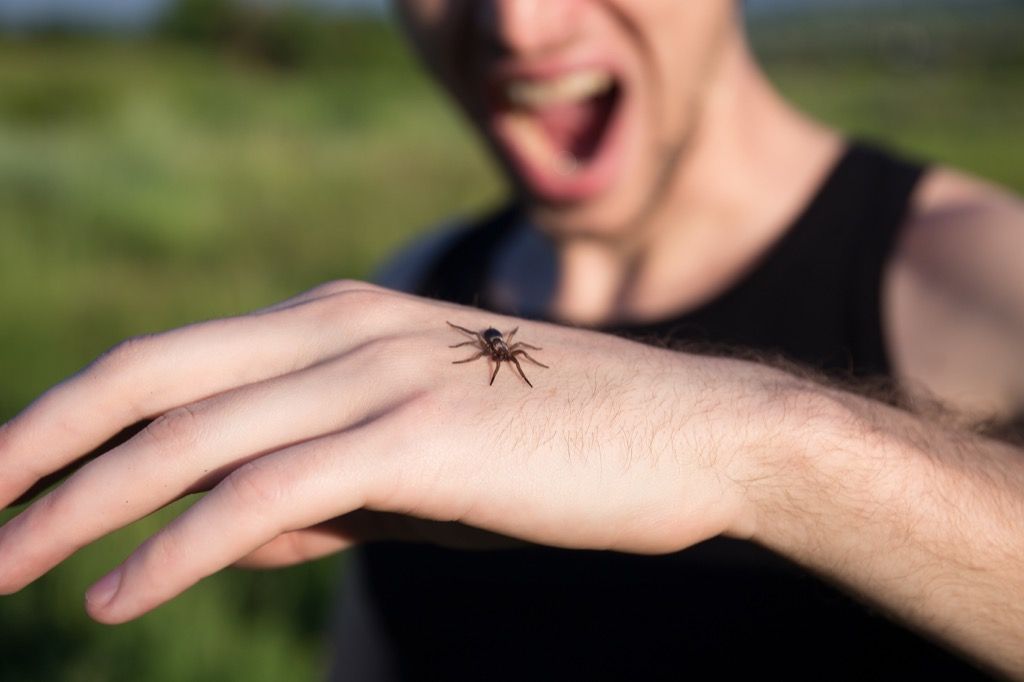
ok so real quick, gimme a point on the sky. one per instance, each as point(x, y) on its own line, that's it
point(28, 13)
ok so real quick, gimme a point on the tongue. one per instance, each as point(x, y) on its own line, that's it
point(575, 129)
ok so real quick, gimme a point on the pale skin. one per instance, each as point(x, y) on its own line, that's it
point(337, 416)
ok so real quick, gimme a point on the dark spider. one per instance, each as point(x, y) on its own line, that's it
point(495, 346)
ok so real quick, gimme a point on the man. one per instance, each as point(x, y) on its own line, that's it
point(665, 189)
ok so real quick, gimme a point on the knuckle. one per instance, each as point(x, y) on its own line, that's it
point(59, 503)
point(312, 299)
point(161, 555)
point(354, 304)
point(364, 299)
point(338, 286)
point(126, 354)
point(255, 486)
point(179, 428)
point(311, 296)
point(51, 506)
point(359, 315)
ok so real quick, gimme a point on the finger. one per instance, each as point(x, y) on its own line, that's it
point(330, 537)
point(148, 376)
point(296, 547)
point(292, 489)
point(183, 451)
point(121, 387)
point(45, 482)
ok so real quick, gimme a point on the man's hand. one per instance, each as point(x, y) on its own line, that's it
point(337, 414)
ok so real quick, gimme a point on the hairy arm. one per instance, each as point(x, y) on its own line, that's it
point(303, 419)
point(921, 519)
point(916, 513)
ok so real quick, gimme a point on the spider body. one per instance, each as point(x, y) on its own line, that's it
point(495, 341)
point(498, 347)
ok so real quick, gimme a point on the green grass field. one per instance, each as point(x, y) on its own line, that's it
point(146, 185)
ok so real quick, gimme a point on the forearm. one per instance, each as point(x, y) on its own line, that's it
point(925, 521)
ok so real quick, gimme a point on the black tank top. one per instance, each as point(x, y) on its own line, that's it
point(724, 607)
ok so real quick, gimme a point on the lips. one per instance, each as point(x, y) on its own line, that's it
point(560, 129)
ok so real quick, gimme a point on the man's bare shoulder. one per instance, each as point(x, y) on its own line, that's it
point(955, 293)
point(405, 269)
point(966, 234)
point(948, 193)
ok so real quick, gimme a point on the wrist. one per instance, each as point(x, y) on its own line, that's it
point(764, 430)
point(831, 464)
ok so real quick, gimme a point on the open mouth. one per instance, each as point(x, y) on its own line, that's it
point(560, 132)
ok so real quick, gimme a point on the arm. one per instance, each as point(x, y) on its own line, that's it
point(954, 297)
point(917, 517)
point(913, 513)
point(302, 419)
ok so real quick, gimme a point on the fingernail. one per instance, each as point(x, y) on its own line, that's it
point(103, 591)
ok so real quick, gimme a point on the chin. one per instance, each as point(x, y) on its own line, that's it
point(591, 221)
point(619, 212)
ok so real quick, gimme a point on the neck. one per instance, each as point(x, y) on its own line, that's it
point(751, 164)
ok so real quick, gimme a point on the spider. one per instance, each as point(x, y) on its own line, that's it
point(496, 346)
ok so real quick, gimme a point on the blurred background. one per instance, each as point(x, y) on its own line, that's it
point(163, 162)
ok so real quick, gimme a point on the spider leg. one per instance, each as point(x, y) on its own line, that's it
point(521, 373)
point(520, 344)
point(527, 356)
point(497, 366)
point(467, 331)
point(478, 355)
point(461, 329)
point(508, 337)
point(460, 345)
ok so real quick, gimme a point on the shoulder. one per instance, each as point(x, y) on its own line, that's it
point(966, 236)
point(406, 269)
point(955, 293)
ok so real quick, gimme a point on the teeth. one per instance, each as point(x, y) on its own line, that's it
point(572, 87)
point(537, 146)
point(567, 165)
